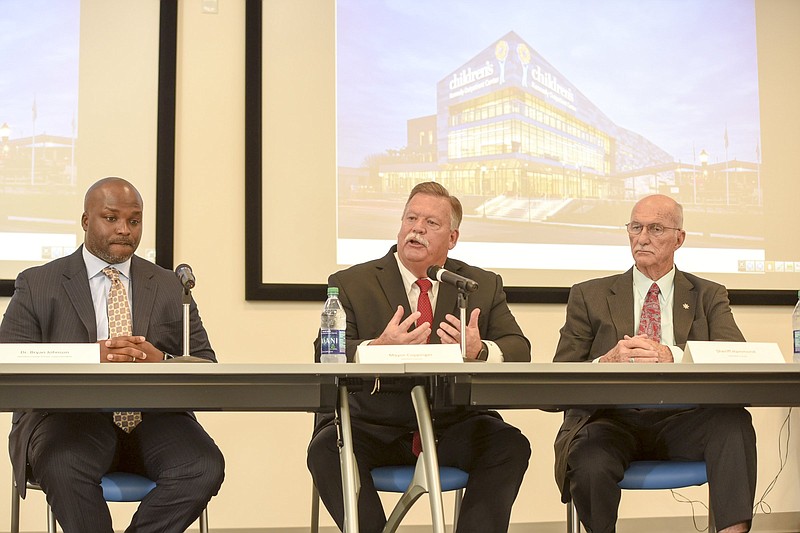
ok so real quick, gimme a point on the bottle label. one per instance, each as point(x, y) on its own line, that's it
point(332, 341)
point(797, 341)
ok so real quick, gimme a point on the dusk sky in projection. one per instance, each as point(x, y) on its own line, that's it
point(39, 40)
point(676, 72)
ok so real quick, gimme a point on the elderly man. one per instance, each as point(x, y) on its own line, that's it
point(386, 301)
point(646, 315)
point(132, 308)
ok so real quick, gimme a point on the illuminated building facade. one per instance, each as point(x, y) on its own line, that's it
point(511, 131)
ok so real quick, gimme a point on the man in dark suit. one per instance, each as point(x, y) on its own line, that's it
point(65, 301)
point(381, 300)
point(616, 320)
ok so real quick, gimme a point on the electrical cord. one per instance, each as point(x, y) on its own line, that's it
point(761, 505)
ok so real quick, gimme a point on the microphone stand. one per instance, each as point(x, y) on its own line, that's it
point(462, 309)
point(187, 298)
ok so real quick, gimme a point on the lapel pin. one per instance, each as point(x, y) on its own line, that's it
point(686, 306)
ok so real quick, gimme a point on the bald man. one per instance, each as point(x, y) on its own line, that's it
point(66, 301)
point(645, 316)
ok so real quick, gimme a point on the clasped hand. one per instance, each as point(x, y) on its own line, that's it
point(638, 349)
point(398, 331)
point(129, 349)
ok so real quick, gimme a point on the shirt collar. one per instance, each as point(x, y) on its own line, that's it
point(409, 279)
point(95, 265)
point(641, 283)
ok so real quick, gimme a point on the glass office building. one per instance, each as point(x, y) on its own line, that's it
point(515, 139)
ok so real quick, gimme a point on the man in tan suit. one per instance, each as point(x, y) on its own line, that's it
point(646, 315)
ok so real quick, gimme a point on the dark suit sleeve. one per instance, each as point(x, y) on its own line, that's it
point(165, 328)
point(576, 335)
point(20, 324)
point(501, 327)
point(714, 320)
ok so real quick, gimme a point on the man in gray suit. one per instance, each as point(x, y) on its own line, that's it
point(381, 299)
point(65, 301)
point(616, 320)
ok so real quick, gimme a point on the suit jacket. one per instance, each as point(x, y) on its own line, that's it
point(370, 293)
point(53, 303)
point(600, 313)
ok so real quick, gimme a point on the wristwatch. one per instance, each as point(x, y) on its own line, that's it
point(484, 353)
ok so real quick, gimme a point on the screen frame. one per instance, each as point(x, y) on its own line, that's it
point(165, 140)
point(255, 182)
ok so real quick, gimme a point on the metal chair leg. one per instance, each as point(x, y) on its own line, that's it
point(314, 509)
point(14, 506)
point(51, 520)
point(573, 522)
point(204, 521)
point(459, 497)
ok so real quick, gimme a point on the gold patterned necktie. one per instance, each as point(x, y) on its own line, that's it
point(119, 325)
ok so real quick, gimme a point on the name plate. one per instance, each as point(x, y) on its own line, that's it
point(409, 353)
point(732, 352)
point(50, 353)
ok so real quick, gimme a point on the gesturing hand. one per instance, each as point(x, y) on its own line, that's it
point(450, 332)
point(397, 331)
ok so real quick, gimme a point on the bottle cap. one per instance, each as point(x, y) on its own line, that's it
point(334, 291)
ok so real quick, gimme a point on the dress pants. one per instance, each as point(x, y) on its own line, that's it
point(602, 450)
point(494, 453)
point(68, 453)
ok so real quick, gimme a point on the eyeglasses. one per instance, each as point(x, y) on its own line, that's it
point(654, 230)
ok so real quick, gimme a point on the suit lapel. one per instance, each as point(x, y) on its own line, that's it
point(620, 304)
point(144, 294)
point(76, 285)
point(391, 282)
point(683, 307)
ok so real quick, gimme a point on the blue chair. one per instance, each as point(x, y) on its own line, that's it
point(117, 487)
point(402, 479)
point(655, 475)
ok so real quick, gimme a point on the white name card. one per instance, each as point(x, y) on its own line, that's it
point(50, 353)
point(409, 353)
point(732, 352)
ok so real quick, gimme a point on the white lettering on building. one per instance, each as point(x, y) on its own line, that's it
point(551, 82)
point(467, 75)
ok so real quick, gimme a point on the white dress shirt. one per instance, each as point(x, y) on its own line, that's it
point(100, 284)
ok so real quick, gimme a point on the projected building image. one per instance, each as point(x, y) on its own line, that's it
point(521, 145)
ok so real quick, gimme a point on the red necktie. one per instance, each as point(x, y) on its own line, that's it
point(426, 315)
point(650, 322)
point(424, 303)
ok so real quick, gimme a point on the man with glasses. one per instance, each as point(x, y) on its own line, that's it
point(646, 315)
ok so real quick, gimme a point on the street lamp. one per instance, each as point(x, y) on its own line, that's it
point(5, 132)
point(704, 165)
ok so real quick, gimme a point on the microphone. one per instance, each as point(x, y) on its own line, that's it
point(445, 276)
point(184, 273)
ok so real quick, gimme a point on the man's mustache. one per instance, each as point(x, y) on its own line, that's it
point(413, 236)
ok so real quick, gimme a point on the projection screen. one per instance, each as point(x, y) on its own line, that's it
point(79, 101)
point(548, 119)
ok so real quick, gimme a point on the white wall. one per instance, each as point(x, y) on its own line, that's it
point(267, 484)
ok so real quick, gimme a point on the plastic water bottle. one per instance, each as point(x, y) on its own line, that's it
point(332, 329)
point(796, 330)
